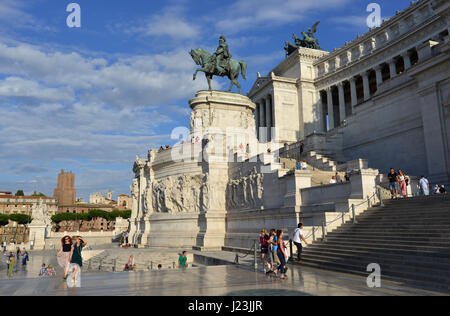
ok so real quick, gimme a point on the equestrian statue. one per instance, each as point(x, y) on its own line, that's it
point(219, 64)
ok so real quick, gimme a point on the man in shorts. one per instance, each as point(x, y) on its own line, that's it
point(393, 183)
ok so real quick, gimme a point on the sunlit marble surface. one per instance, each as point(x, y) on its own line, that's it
point(205, 281)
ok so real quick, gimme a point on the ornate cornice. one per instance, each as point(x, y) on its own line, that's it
point(373, 33)
point(383, 54)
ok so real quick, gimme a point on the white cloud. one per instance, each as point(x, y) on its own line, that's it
point(352, 21)
point(85, 113)
point(19, 87)
point(251, 14)
point(129, 81)
point(170, 22)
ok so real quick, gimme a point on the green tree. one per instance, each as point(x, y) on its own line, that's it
point(20, 193)
point(20, 219)
point(38, 194)
point(4, 220)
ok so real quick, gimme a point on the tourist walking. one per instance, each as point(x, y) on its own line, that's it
point(437, 189)
point(393, 183)
point(126, 238)
point(182, 260)
point(63, 256)
point(130, 266)
point(304, 165)
point(402, 183)
point(297, 239)
point(273, 250)
point(19, 253)
point(76, 262)
point(442, 190)
point(281, 253)
point(4, 246)
point(424, 186)
point(11, 262)
point(264, 242)
point(25, 258)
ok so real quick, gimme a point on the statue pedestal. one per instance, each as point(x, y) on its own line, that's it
point(224, 119)
point(38, 232)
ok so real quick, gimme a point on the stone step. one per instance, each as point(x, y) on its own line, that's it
point(422, 258)
point(439, 219)
point(413, 237)
point(406, 211)
point(412, 280)
point(410, 272)
point(396, 225)
point(425, 251)
point(364, 260)
point(410, 210)
point(382, 240)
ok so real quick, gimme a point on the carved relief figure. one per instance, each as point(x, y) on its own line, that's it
point(246, 192)
point(182, 194)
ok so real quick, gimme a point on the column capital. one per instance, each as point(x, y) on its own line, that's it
point(379, 67)
point(365, 74)
point(352, 80)
point(340, 84)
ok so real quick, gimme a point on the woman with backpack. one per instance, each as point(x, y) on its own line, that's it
point(281, 253)
point(264, 242)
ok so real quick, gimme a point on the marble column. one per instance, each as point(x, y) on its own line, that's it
point(269, 117)
point(257, 119)
point(378, 71)
point(262, 121)
point(353, 91)
point(392, 68)
point(322, 124)
point(330, 109)
point(407, 60)
point(365, 77)
point(342, 115)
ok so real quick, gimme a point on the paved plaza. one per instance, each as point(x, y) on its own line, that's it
point(226, 280)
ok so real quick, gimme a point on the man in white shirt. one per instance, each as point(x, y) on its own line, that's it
point(424, 186)
point(333, 180)
point(297, 239)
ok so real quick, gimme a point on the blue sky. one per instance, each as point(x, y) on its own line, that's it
point(90, 99)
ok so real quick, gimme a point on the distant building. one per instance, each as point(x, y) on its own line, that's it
point(85, 208)
point(98, 198)
point(10, 204)
point(65, 192)
point(124, 201)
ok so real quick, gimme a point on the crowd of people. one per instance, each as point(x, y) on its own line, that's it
point(274, 250)
point(439, 189)
point(399, 182)
point(166, 148)
point(182, 263)
point(12, 261)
